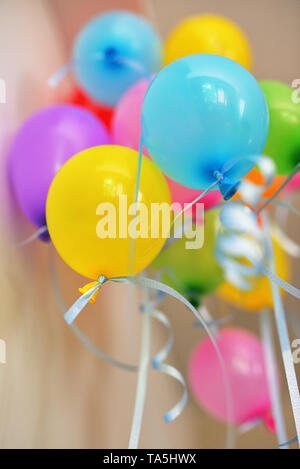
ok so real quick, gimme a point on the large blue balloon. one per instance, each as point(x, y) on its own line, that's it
point(112, 52)
point(204, 114)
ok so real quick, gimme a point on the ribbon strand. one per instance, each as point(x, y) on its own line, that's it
point(269, 354)
point(284, 337)
point(79, 334)
point(157, 364)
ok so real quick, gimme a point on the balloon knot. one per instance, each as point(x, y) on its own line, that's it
point(219, 176)
point(100, 281)
point(227, 186)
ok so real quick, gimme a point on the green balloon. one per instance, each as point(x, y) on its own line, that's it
point(283, 143)
point(192, 272)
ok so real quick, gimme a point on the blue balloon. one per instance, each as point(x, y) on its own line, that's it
point(112, 52)
point(205, 116)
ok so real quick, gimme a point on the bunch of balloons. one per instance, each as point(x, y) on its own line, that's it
point(193, 129)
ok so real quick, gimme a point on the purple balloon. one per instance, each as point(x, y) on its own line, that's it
point(43, 144)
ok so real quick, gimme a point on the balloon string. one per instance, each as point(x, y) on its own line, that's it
point(79, 334)
point(156, 360)
point(280, 203)
point(295, 171)
point(272, 376)
point(283, 336)
point(234, 270)
point(157, 364)
point(142, 376)
point(152, 284)
point(215, 323)
point(279, 282)
point(32, 237)
point(252, 192)
point(159, 286)
point(178, 216)
point(290, 442)
point(249, 425)
point(146, 325)
point(136, 195)
point(199, 197)
point(286, 243)
point(56, 78)
point(209, 320)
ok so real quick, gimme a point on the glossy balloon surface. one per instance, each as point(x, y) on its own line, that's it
point(260, 295)
point(283, 144)
point(126, 130)
point(113, 51)
point(200, 114)
point(85, 193)
point(193, 272)
point(208, 34)
point(243, 357)
point(43, 144)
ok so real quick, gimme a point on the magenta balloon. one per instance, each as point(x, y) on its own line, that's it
point(126, 122)
point(126, 131)
point(294, 184)
point(185, 195)
point(43, 144)
point(243, 356)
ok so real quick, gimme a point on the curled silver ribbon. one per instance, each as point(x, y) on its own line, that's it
point(159, 365)
point(155, 285)
point(79, 334)
point(239, 221)
point(156, 361)
point(244, 238)
point(55, 79)
point(42, 230)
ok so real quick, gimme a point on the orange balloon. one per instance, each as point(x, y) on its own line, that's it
point(256, 177)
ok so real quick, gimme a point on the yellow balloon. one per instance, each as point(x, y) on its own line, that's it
point(208, 34)
point(88, 235)
point(261, 295)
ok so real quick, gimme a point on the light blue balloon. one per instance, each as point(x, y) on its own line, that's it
point(204, 114)
point(112, 52)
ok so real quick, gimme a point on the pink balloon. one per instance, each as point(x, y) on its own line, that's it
point(243, 356)
point(126, 124)
point(294, 184)
point(126, 131)
point(185, 195)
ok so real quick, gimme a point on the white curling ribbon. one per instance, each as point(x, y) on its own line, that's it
point(43, 229)
point(79, 334)
point(57, 76)
point(240, 218)
point(236, 246)
point(230, 250)
point(284, 336)
point(157, 364)
point(272, 375)
point(229, 218)
point(268, 168)
point(252, 192)
point(234, 273)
